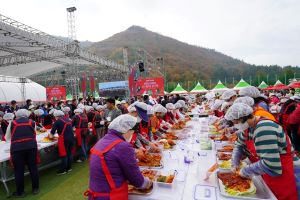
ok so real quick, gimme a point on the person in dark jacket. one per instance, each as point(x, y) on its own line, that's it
point(23, 149)
point(66, 140)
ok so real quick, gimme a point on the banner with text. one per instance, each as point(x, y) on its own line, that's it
point(55, 93)
point(150, 86)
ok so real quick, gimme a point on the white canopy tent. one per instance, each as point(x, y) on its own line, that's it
point(10, 89)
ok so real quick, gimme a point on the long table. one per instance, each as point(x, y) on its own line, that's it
point(189, 175)
point(48, 154)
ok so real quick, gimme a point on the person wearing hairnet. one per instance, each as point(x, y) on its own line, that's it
point(156, 121)
point(178, 114)
point(260, 102)
point(276, 160)
point(229, 96)
point(100, 127)
point(80, 123)
point(113, 163)
point(66, 140)
point(23, 150)
point(5, 120)
point(169, 117)
point(39, 118)
point(66, 110)
point(216, 107)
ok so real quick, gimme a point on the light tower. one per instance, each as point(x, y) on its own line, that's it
point(73, 48)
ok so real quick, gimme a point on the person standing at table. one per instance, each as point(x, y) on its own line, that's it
point(113, 163)
point(23, 149)
point(66, 140)
point(80, 123)
point(276, 160)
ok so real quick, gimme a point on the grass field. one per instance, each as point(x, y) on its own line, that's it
point(66, 187)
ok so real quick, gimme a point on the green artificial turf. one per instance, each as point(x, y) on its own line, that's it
point(70, 186)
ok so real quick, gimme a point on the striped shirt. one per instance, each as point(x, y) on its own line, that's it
point(270, 141)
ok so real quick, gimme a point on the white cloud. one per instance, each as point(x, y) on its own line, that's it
point(258, 32)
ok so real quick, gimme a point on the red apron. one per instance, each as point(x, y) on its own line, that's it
point(61, 142)
point(219, 113)
point(144, 132)
point(133, 139)
point(78, 132)
point(93, 124)
point(120, 193)
point(287, 178)
point(253, 157)
point(38, 159)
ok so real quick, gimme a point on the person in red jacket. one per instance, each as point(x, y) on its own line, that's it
point(294, 122)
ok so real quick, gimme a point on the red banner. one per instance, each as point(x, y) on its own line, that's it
point(150, 86)
point(92, 84)
point(56, 93)
point(83, 85)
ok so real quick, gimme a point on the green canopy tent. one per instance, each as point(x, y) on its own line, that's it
point(219, 87)
point(69, 97)
point(198, 89)
point(263, 85)
point(241, 84)
point(96, 95)
point(179, 90)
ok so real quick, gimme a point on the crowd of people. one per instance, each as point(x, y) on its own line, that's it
point(115, 133)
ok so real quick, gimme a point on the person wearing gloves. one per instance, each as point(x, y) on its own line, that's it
point(216, 107)
point(259, 100)
point(23, 150)
point(229, 96)
point(39, 118)
point(100, 129)
point(49, 119)
point(66, 140)
point(178, 115)
point(156, 121)
point(66, 110)
point(276, 160)
point(113, 163)
point(80, 123)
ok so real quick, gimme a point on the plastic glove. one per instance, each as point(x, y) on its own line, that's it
point(102, 123)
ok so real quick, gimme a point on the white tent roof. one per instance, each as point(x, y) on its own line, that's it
point(10, 89)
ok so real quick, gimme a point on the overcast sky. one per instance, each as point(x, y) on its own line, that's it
point(256, 31)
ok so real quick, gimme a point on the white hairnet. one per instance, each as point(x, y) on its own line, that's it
point(52, 111)
point(246, 100)
point(210, 95)
point(88, 108)
point(39, 112)
point(123, 102)
point(250, 91)
point(94, 105)
point(182, 102)
point(177, 105)
point(225, 105)
point(131, 108)
point(8, 116)
point(141, 105)
point(100, 108)
point(66, 109)
point(31, 107)
point(228, 94)
point(58, 113)
point(288, 95)
point(80, 106)
point(217, 105)
point(170, 106)
point(123, 123)
point(78, 110)
point(237, 111)
point(149, 110)
point(22, 113)
point(159, 108)
point(296, 97)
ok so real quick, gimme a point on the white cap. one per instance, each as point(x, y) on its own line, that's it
point(132, 108)
point(100, 108)
point(159, 108)
point(66, 109)
point(22, 113)
point(141, 105)
point(8, 116)
point(237, 111)
point(170, 106)
point(246, 100)
point(52, 111)
point(58, 113)
point(39, 112)
point(95, 105)
point(218, 103)
point(228, 94)
point(88, 108)
point(225, 105)
point(123, 123)
point(250, 91)
point(78, 110)
point(177, 105)
point(80, 106)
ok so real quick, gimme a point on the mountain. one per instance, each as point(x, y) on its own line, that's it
point(186, 62)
